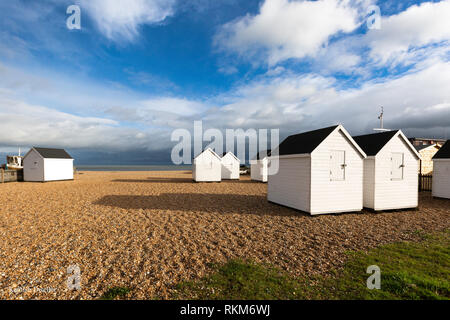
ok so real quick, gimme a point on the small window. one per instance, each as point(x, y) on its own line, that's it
point(397, 162)
point(337, 165)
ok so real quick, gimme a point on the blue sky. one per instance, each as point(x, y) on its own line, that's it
point(139, 69)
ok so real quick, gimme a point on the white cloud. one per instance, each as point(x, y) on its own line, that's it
point(120, 20)
point(286, 29)
point(417, 102)
point(418, 26)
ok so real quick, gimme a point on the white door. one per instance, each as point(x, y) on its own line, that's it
point(397, 166)
point(337, 165)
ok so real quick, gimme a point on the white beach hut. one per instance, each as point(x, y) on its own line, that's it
point(230, 166)
point(441, 173)
point(319, 172)
point(390, 171)
point(207, 167)
point(46, 164)
point(258, 166)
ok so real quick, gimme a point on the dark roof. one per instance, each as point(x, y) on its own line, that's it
point(373, 143)
point(304, 143)
point(262, 154)
point(53, 153)
point(423, 146)
point(444, 152)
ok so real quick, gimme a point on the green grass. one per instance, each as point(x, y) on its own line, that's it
point(241, 280)
point(115, 292)
point(409, 270)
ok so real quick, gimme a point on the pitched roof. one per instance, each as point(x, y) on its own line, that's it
point(424, 146)
point(50, 153)
point(210, 150)
point(373, 143)
point(444, 152)
point(232, 154)
point(304, 143)
point(262, 154)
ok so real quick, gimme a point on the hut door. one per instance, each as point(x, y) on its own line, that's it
point(397, 166)
point(337, 168)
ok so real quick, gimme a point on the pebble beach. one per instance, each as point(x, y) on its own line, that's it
point(148, 231)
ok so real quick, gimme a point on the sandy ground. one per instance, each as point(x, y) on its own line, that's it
point(149, 230)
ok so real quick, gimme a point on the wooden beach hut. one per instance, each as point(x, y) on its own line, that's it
point(441, 172)
point(259, 166)
point(390, 171)
point(319, 172)
point(207, 167)
point(230, 166)
point(47, 164)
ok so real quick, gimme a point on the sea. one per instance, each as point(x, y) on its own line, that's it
point(132, 167)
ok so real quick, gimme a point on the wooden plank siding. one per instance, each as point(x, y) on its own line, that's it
point(333, 196)
point(396, 192)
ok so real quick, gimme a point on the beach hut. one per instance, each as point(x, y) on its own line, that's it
point(230, 166)
point(258, 166)
point(319, 172)
point(390, 171)
point(207, 167)
point(441, 173)
point(46, 164)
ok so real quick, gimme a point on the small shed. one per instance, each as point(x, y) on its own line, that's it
point(230, 166)
point(441, 173)
point(319, 172)
point(207, 167)
point(47, 164)
point(390, 171)
point(259, 165)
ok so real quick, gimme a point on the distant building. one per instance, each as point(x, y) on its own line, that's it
point(427, 148)
point(46, 164)
point(259, 166)
point(230, 166)
point(426, 141)
point(427, 153)
point(207, 167)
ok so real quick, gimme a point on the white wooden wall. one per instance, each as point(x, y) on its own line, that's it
point(441, 178)
point(58, 169)
point(230, 167)
point(291, 185)
point(396, 193)
point(206, 167)
point(33, 167)
point(258, 170)
point(332, 196)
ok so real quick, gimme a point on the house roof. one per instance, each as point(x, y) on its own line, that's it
point(304, 143)
point(444, 152)
point(374, 142)
point(209, 150)
point(229, 152)
point(421, 147)
point(50, 153)
point(262, 154)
